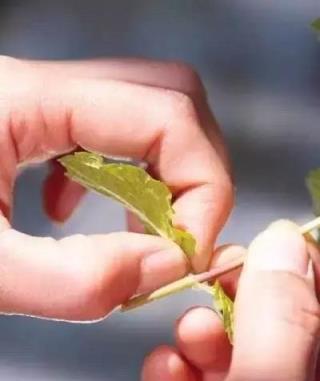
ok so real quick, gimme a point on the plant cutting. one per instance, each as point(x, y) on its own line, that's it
point(150, 200)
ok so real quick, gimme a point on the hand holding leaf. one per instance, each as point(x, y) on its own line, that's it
point(147, 198)
point(150, 200)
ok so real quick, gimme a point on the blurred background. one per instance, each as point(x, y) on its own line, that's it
point(260, 63)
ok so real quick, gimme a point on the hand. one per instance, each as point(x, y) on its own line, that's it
point(148, 110)
point(277, 321)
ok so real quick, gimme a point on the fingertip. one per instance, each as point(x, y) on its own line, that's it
point(201, 338)
point(281, 247)
point(284, 224)
point(134, 225)
point(226, 254)
point(158, 270)
point(205, 221)
point(61, 195)
point(165, 363)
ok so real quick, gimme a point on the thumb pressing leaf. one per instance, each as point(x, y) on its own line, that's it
point(133, 187)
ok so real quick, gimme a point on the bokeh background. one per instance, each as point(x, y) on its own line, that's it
point(260, 63)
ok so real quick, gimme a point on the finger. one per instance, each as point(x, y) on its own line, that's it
point(317, 371)
point(212, 376)
point(61, 196)
point(134, 224)
point(277, 313)
point(314, 252)
point(200, 334)
point(56, 116)
point(225, 254)
point(163, 74)
point(202, 340)
point(165, 363)
point(170, 75)
point(81, 277)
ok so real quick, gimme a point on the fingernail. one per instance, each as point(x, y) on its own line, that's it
point(161, 268)
point(279, 248)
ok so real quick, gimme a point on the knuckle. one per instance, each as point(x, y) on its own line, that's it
point(85, 274)
point(94, 271)
point(96, 307)
point(163, 351)
point(299, 309)
point(229, 194)
point(7, 63)
point(90, 285)
point(12, 70)
point(306, 318)
point(179, 107)
point(188, 76)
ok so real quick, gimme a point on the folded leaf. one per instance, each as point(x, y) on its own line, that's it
point(133, 187)
point(223, 305)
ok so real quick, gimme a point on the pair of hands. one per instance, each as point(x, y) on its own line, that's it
point(157, 112)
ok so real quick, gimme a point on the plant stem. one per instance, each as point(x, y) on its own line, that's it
point(182, 284)
point(309, 226)
point(172, 288)
point(205, 287)
point(192, 280)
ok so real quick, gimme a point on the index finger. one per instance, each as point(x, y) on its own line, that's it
point(51, 116)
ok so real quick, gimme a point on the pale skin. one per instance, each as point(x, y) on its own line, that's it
point(157, 112)
point(146, 110)
point(277, 321)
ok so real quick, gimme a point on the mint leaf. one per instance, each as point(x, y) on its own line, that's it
point(313, 185)
point(315, 25)
point(223, 305)
point(133, 187)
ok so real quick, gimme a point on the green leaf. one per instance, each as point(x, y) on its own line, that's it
point(313, 185)
point(223, 305)
point(133, 187)
point(315, 25)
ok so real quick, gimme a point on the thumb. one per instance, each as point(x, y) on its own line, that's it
point(81, 278)
point(277, 316)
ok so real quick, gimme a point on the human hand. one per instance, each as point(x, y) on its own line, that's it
point(277, 321)
point(154, 111)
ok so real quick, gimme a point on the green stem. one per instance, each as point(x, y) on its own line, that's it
point(192, 280)
point(204, 287)
point(172, 288)
point(182, 284)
